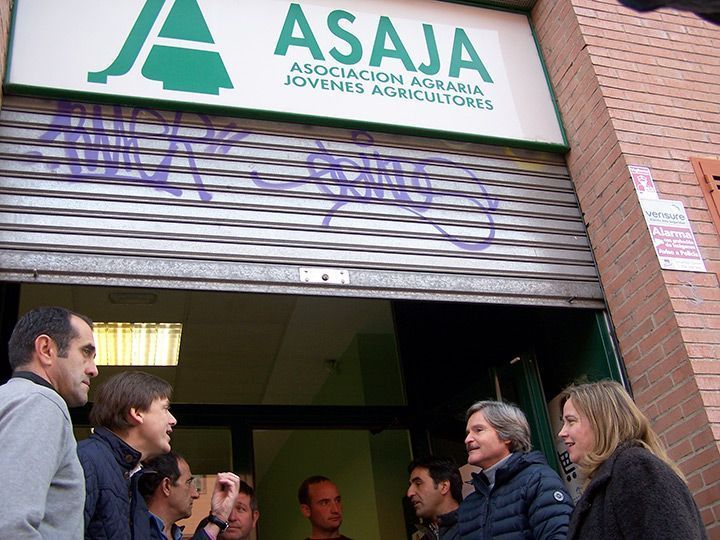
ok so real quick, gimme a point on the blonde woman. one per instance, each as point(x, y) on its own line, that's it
point(634, 490)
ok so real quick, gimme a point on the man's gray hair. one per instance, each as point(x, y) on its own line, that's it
point(508, 420)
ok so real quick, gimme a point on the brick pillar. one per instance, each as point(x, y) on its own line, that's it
point(4, 34)
point(642, 89)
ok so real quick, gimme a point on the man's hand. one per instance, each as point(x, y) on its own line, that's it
point(226, 491)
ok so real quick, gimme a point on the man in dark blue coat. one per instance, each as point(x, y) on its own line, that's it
point(517, 495)
point(132, 421)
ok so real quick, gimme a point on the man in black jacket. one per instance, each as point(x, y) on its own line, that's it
point(132, 421)
point(517, 495)
point(435, 492)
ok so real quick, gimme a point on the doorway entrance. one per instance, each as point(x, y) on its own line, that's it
point(456, 354)
point(281, 387)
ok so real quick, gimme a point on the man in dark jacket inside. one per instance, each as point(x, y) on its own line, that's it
point(517, 495)
point(435, 492)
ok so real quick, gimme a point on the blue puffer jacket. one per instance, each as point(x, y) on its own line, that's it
point(107, 461)
point(527, 502)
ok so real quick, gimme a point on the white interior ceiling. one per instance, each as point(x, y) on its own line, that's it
point(236, 348)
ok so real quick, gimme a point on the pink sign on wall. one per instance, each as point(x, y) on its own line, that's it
point(672, 235)
point(643, 180)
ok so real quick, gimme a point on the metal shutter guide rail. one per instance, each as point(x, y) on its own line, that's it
point(83, 269)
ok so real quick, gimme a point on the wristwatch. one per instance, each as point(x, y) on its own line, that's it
point(219, 522)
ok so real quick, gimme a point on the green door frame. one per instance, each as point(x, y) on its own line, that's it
point(523, 372)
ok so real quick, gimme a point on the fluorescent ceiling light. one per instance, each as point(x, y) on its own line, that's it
point(137, 344)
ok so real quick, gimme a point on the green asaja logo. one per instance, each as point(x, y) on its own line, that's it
point(179, 68)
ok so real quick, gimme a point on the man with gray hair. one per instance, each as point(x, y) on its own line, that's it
point(517, 495)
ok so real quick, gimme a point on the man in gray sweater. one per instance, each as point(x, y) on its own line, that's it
point(52, 354)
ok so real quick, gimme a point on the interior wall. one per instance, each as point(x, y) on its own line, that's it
point(344, 383)
point(342, 456)
point(390, 452)
point(381, 377)
point(369, 469)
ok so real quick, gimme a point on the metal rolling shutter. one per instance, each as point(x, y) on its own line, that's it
point(108, 194)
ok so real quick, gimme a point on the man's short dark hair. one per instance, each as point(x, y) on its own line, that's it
point(248, 490)
point(157, 469)
point(304, 490)
point(54, 322)
point(122, 392)
point(441, 468)
point(245, 488)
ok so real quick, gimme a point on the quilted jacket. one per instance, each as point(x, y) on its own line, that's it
point(528, 501)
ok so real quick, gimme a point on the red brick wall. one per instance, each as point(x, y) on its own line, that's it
point(4, 30)
point(644, 89)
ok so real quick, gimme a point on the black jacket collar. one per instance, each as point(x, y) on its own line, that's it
point(449, 519)
point(126, 456)
point(34, 377)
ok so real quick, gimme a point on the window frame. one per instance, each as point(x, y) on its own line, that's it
point(708, 174)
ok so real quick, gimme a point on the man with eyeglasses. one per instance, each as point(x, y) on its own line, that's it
point(167, 487)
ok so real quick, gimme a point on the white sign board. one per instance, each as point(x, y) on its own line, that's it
point(420, 64)
point(672, 235)
point(643, 181)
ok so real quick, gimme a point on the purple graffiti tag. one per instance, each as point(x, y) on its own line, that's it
point(108, 146)
point(350, 180)
point(373, 178)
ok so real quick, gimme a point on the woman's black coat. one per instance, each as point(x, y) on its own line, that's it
point(636, 495)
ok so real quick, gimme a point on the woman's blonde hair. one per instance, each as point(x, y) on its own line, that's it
point(614, 419)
